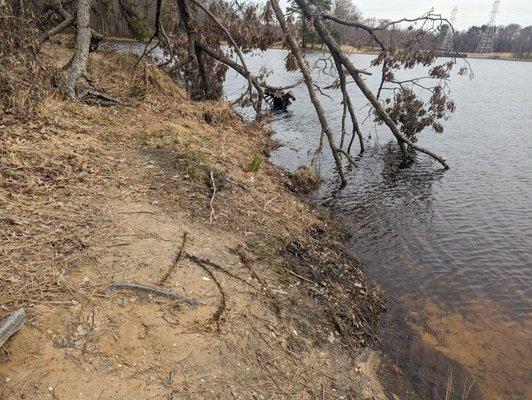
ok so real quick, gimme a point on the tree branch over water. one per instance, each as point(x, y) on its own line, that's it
point(201, 42)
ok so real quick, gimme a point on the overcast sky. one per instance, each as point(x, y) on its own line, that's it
point(470, 12)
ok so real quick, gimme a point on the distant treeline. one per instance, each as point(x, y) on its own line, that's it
point(135, 19)
point(511, 38)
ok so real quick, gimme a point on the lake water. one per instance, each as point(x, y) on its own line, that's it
point(451, 249)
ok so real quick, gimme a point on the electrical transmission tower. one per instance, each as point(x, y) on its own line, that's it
point(488, 37)
point(447, 43)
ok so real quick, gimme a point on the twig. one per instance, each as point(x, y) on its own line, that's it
point(212, 198)
point(88, 335)
point(176, 260)
point(299, 276)
point(222, 306)
point(154, 290)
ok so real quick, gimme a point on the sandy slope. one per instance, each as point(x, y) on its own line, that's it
point(93, 196)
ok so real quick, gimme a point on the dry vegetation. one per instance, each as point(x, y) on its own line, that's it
point(92, 195)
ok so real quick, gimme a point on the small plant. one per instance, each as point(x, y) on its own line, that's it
point(255, 163)
point(259, 247)
point(346, 232)
point(194, 171)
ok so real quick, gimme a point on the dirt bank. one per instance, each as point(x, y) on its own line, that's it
point(178, 196)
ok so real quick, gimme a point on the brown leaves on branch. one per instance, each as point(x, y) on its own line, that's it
point(250, 25)
point(412, 115)
point(419, 102)
point(251, 28)
point(290, 63)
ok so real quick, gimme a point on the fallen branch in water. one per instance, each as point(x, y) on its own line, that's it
point(154, 290)
point(11, 324)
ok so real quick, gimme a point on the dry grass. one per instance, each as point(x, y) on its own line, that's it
point(58, 170)
point(306, 178)
point(47, 219)
point(55, 170)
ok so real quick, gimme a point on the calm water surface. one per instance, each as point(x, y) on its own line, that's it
point(452, 249)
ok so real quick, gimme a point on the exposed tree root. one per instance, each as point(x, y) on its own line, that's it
point(154, 290)
point(93, 97)
point(176, 260)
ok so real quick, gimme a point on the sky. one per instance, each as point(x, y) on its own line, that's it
point(470, 12)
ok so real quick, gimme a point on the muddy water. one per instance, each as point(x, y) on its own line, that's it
point(453, 249)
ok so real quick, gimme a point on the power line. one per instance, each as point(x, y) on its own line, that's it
point(447, 43)
point(488, 37)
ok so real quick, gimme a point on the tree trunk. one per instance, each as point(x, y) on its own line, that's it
point(310, 85)
point(194, 51)
point(78, 64)
point(304, 30)
point(203, 72)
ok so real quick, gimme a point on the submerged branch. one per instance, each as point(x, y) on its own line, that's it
point(310, 86)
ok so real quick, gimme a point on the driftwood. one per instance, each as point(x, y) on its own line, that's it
point(11, 324)
point(154, 290)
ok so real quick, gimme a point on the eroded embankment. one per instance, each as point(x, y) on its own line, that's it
point(179, 196)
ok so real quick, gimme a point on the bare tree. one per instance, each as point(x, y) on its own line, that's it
point(77, 67)
point(345, 61)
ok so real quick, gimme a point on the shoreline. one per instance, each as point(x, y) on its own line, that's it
point(504, 56)
point(119, 191)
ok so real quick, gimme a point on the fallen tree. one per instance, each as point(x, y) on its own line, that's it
point(208, 39)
